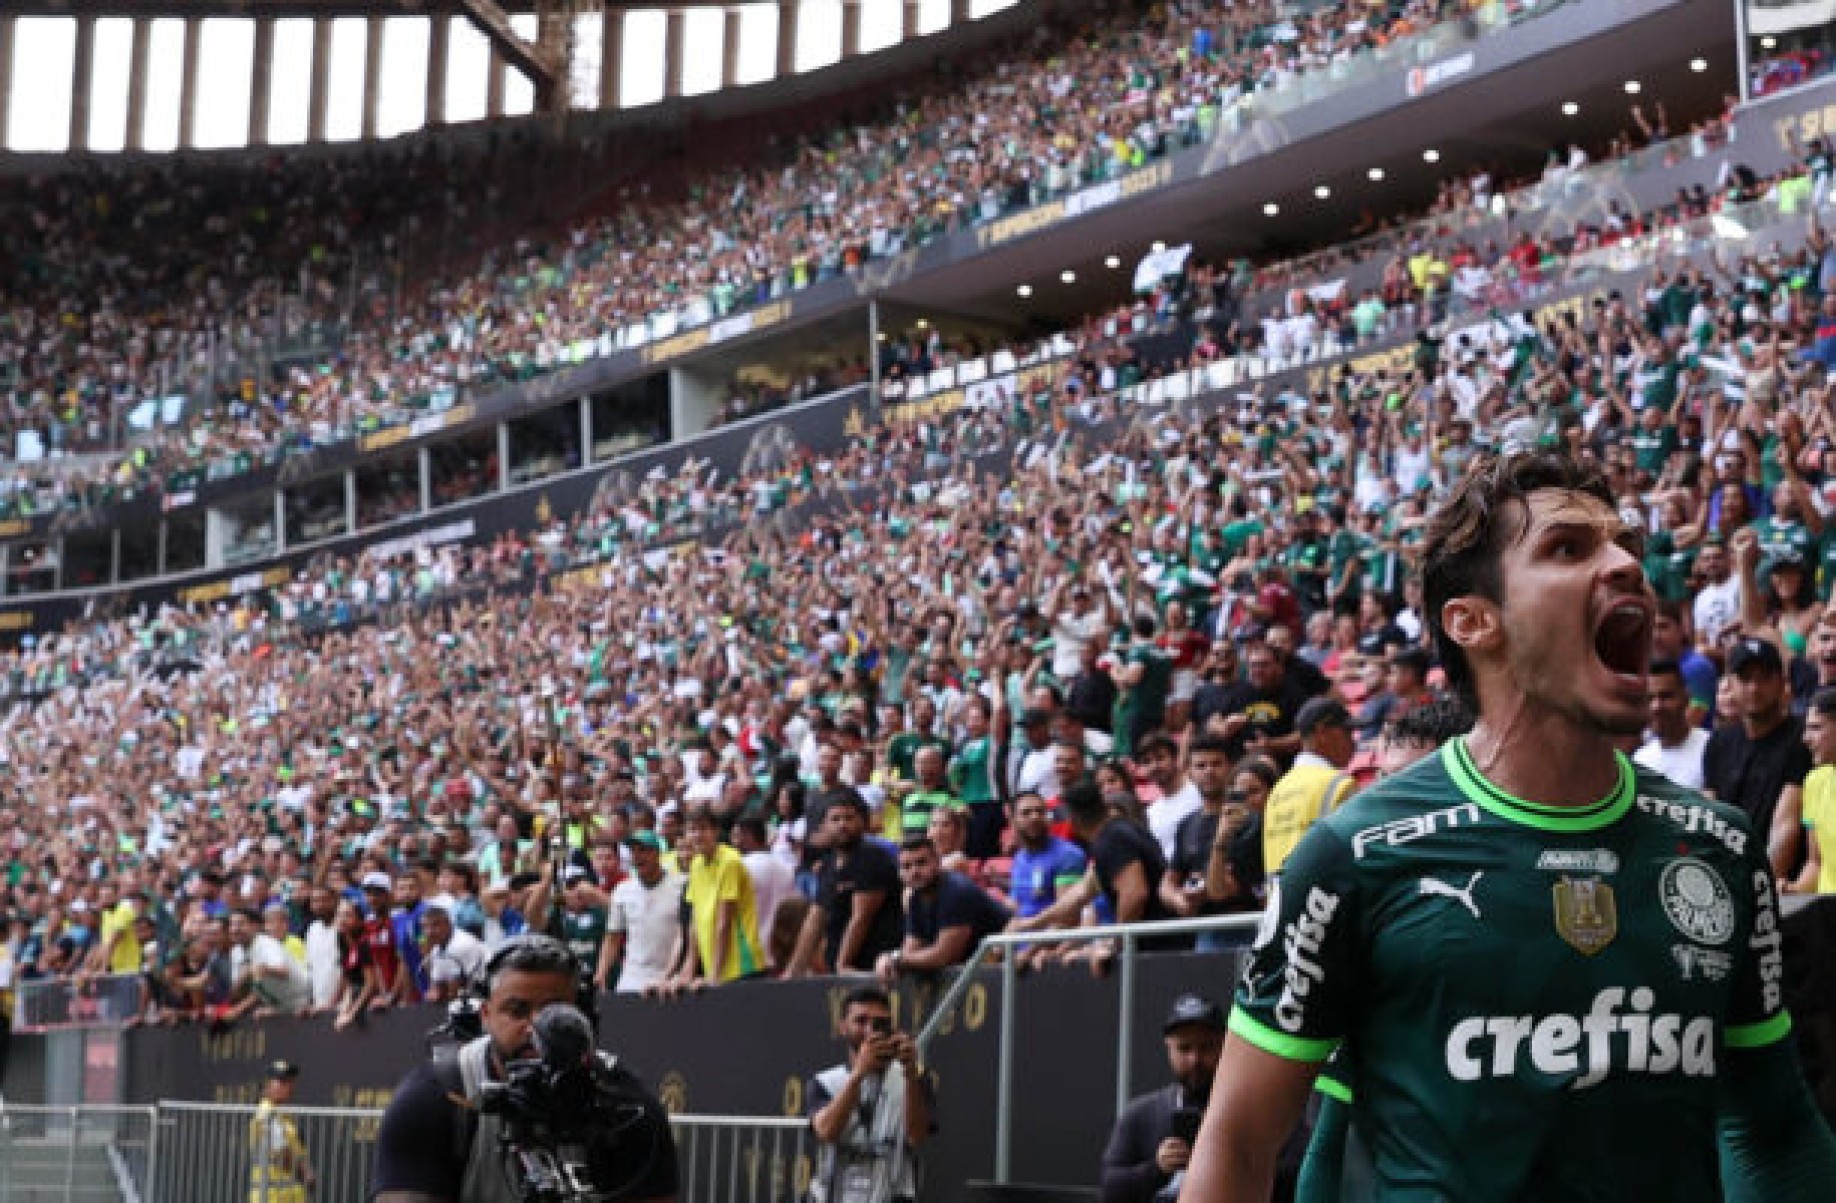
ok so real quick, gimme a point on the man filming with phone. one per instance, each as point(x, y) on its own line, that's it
point(1152, 1140)
point(870, 1113)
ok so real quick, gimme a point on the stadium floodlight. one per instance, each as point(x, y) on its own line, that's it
point(1698, 65)
point(1025, 290)
point(1570, 108)
point(1769, 43)
point(1633, 87)
point(1159, 247)
point(1068, 276)
point(1431, 155)
point(1270, 209)
point(1322, 191)
point(1113, 262)
point(1375, 174)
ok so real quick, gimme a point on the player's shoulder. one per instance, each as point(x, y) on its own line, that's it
point(1423, 796)
point(1694, 817)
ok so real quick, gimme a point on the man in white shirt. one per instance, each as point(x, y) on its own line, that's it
point(1073, 625)
point(773, 879)
point(324, 968)
point(1718, 602)
point(266, 976)
point(454, 957)
point(1178, 796)
point(1673, 747)
point(644, 921)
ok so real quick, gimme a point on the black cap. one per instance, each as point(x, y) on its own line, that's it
point(1321, 712)
point(1755, 653)
point(1193, 1009)
point(282, 1071)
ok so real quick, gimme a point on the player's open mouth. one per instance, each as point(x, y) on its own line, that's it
point(1622, 640)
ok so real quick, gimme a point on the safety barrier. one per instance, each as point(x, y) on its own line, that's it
point(76, 1153)
point(1128, 938)
point(217, 1153)
point(105, 1000)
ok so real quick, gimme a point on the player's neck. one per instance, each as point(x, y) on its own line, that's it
point(1551, 761)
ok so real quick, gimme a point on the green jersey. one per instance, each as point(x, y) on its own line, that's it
point(1536, 1001)
point(584, 932)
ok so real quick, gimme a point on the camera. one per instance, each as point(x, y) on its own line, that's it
point(881, 1025)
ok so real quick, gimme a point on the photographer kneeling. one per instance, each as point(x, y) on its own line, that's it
point(531, 1093)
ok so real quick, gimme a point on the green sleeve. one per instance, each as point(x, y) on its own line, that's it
point(1774, 1144)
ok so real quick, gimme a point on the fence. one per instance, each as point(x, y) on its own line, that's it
point(1129, 937)
point(109, 999)
point(213, 1153)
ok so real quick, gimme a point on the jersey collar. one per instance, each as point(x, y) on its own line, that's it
point(1458, 762)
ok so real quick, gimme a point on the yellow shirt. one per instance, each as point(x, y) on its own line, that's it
point(120, 918)
point(1310, 789)
point(710, 883)
point(1820, 821)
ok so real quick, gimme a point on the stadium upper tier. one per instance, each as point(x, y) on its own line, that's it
point(239, 313)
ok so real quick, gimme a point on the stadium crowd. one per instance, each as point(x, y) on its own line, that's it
point(1047, 659)
point(318, 324)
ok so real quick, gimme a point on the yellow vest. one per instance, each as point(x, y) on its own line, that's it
point(1296, 803)
point(274, 1152)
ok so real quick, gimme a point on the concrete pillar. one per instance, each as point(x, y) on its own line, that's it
point(675, 52)
point(138, 52)
point(188, 85)
point(494, 86)
point(912, 10)
point(261, 84)
point(372, 76)
point(959, 11)
point(611, 55)
point(320, 99)
point(82, 79)
point(729, 50)
point(851, 28)
point(6, 75)
point(439, 47)
point(788, 11)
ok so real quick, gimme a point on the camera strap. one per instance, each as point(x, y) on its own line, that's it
point(449, 1067)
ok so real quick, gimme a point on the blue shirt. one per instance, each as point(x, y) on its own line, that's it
point(1039, 876)
point(407, 927)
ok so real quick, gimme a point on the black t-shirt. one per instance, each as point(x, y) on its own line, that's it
point(1091, 700)
point(956, 902)
point(1119, 845)
point(1270, 712)
point(418, 1151)
point(869, 867)
point(1192, 856)
point(1751, 773)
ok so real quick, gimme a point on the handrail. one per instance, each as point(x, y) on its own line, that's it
point(1130, 934)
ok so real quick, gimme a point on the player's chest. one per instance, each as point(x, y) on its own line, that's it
point(1553, 923)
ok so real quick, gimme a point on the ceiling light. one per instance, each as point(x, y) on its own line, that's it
point(1270, 209)
point(1376, 174)
point(1570, 108)
point(1159, 247)
point(1068, 276)
point(1322, 191)
point(1431, 155)
point(1698, 65)
point(1025, 290)
point(1633, 87)
point(1768, 42)
point(1113, 262)
point(924, 324)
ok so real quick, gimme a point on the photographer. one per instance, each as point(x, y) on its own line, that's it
point(870, 1113)
point(1152, 1140)
point(447, 1131)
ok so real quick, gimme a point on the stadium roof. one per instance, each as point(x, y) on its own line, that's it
point(309, 8)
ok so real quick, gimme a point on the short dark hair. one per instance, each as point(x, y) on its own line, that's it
point(917, 843)
point(1467, 535)
point(752, 826)
point(1665, 668)
point(1431, 723)
point(1083, 801)
point(531, 953)
point(1154, 743)
point(1824, 702)
point(1207, 742)
point(700, 814)
point(866, 996)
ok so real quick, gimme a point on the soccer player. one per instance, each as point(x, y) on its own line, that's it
point(1555, 976)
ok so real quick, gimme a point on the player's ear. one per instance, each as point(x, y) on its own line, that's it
point(1473, 622)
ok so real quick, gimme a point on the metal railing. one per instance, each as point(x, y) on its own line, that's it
point(228, 1153)
point(105, 1000)
point(77, 1153)
point(743, 1159)
point(1129, 936)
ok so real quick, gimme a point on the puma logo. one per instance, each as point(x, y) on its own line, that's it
point(1434, 887)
